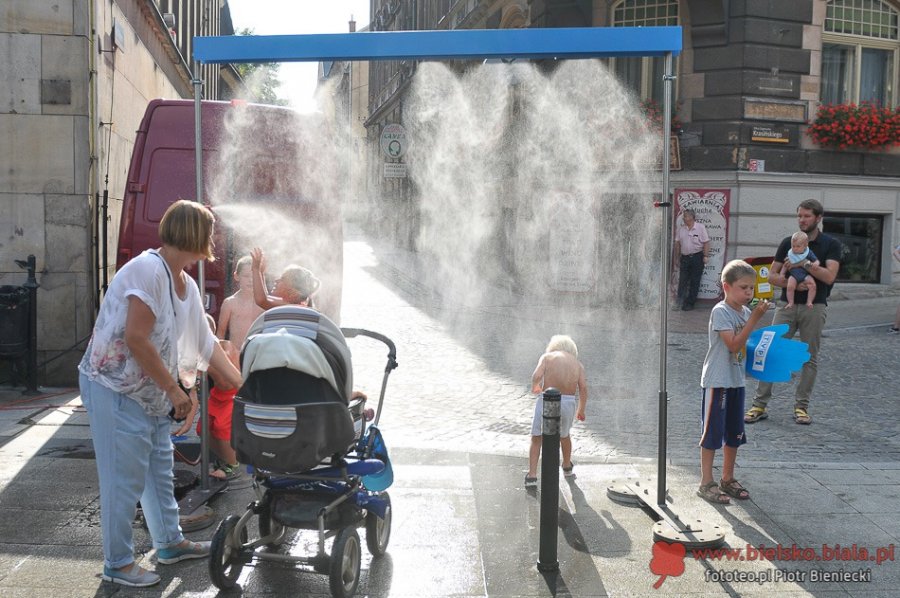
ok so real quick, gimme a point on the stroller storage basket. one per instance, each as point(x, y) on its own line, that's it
point(300, 509)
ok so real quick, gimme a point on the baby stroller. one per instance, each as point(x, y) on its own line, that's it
point(316, 464)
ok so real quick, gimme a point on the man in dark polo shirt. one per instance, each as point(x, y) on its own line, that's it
point(807, 321)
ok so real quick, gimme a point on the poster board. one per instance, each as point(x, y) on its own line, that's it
point(572, 244)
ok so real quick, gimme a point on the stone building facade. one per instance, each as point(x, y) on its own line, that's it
point(75, 78)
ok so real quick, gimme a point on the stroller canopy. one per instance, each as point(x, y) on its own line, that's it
point(301, 339)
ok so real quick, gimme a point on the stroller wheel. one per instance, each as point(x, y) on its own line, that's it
point(345, 563)
point(225, 561)
point(378, 530)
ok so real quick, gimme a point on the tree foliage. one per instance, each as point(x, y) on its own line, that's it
point(261, 80)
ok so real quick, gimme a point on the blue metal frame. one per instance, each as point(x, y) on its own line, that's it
point(583, 42)
point(460, 44)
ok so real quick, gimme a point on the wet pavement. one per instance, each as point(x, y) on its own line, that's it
point(456, 420)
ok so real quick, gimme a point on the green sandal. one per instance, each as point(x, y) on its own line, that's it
point(226, 471)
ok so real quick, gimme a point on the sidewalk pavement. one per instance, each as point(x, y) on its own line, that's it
point(464, 526)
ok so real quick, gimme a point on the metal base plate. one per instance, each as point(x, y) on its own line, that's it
point(695, 534)
point(668, 527)
point(184, 480)
point(633, 492)
point(198, 497)
point(620, 492)
point(201, 518)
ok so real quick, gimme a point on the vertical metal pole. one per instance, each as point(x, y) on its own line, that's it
point(547, 558)
point(203, 391)
point(32, 285)
point(98, 285)
point(104, 235)
point(665, 259)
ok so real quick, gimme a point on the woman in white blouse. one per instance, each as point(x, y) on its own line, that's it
point(149, 340)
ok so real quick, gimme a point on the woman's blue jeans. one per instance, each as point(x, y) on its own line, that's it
point(134, 462)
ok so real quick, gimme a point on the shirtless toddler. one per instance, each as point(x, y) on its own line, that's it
point(558, 368)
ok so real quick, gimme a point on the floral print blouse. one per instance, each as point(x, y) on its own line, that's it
point(180, 333)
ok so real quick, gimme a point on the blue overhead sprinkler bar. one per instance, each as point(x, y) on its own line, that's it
point(456, 44)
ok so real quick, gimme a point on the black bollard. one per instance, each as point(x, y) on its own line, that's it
point(547, 560)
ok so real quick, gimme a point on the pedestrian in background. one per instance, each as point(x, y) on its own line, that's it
point(149, 340)
point(692, 249)
point(807, 321)
point(722, 382)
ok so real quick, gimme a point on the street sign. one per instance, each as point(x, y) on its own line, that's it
point(394, 170)
point(393, 141)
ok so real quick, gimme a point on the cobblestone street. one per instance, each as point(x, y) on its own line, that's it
point(465, 368)
point(456, 419)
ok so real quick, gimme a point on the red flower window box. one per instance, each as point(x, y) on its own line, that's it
point(855, 126)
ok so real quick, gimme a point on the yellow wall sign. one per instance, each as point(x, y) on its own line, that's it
point(770, 134)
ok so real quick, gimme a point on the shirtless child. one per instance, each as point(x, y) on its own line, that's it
point(558, 368)
point(239, 311)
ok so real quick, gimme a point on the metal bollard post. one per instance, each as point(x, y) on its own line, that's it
point(547, 557)
point(32, 285)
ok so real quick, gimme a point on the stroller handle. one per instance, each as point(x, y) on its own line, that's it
point(392, 350)
point(391, 361)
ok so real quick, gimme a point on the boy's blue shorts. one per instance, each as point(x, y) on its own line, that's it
point(722, 418)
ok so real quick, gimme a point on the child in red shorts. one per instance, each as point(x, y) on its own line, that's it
point(221, 404)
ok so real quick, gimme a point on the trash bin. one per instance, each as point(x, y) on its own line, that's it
point(13, 321)
point(763, 288)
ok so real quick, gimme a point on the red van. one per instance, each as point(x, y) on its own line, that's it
point(266, 175)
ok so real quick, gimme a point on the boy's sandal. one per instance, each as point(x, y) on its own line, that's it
point(711, 493)
point(530, 482)
point(801, 416)
point(569, 471)
point(735, 489)
point(754, 414)
point(226, 471)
